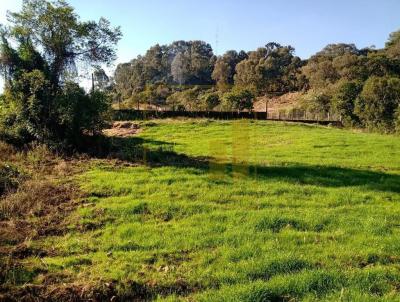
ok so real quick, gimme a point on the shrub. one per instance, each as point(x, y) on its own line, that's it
point(238, 99)
point(317, 102)
point(398, 120)
point(59, 121)
point(8, 178)
point(344, 99)
point(79, 113)
point(209, 100)
point(378, 102)
point(188, 99)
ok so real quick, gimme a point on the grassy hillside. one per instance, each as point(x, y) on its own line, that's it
point(235, 211)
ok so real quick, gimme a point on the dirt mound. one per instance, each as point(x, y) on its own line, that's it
point(275, 104)
point(123, 129)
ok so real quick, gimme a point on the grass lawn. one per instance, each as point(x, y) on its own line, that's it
point(238, 211)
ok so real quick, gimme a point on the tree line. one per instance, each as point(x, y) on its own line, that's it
point(360, 85)
point(46, 46)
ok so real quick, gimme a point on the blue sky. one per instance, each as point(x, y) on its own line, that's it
point(308, 25)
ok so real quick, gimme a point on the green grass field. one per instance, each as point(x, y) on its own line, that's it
point(239, 211)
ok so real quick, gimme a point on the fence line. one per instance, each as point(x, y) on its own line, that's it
point(294, 115)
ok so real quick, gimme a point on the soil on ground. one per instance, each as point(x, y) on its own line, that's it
point(123, 129)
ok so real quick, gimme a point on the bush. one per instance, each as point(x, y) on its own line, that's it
point(398, 120)
point(378, 102)
point(59, 121)
point(80, 113)
point(239, 100)
point(317, 102)
point(21, 113)
point(344, 99)
point(8, 178)
point(188, 99)
point(209, 100)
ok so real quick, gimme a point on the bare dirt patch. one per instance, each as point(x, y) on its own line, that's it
point(123, 129)
point(285, 102)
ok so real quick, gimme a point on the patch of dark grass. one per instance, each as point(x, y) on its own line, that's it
point(9, 178)
point(276, 224)
point(277, 267)
point(316, 282)
point(137, 150)
point(16, 274)
point(141, 209)
point(376, 280)
point(78, 262)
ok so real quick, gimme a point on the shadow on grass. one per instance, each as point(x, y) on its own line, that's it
point(158, 153)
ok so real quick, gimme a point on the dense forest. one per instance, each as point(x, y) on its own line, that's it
point(362, 86)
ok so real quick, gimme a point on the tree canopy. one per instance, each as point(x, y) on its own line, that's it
point(47, 46)
point(42, 52)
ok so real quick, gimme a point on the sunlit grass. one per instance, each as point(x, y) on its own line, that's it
point(245, 211)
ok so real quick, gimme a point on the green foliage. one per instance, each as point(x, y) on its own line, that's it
point(80, 112)
point(101, 80)
point(41, 102)
point(238, 99)
point(317, 101)
point(338, 73)
point(279, 212)
point(379, 64)
point(344, 100)
point(209, 100)
point(392, 46)
point(330, 64)
point(378, 101)
point(224, 69)
point(182, 62)
point(331, 79)
point(9, 178)
point(24, 112)
point(72, 41)
point(271, 70)
point(397, 121)
point(187, 99)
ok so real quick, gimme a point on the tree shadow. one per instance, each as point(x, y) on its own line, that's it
point(134, 150)
point(324, 176)
point(138, 150)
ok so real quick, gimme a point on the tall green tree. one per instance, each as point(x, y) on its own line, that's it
point(41, 53)
point(224, 69)
point(271, 70)
point(344, 100)
point(378, 102)
point(392, 46)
